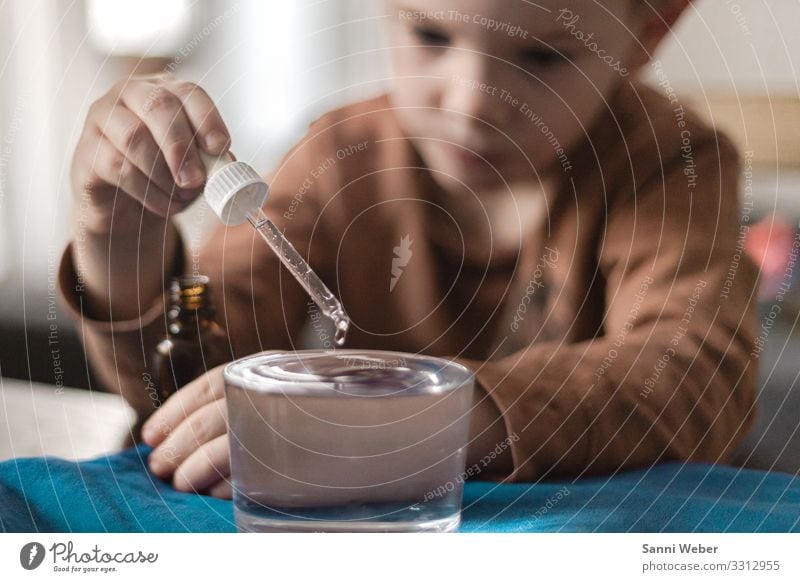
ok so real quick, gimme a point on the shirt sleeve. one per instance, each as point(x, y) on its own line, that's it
point(258, 301)
point(117, 350)
point(673, 375)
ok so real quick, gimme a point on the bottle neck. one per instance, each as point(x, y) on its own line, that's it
point(193, 317)
point(190, 303)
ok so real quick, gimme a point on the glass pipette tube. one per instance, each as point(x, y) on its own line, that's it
point(317, 290)
point(236, 193)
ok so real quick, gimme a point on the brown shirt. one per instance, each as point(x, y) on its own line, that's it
point(615, 335)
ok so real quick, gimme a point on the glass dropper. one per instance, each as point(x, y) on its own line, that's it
point(237, 193)
point(319, 292)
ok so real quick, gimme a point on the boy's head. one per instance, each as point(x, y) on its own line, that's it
point(516, 82)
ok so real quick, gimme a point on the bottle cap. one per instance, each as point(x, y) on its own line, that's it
point(233, 189)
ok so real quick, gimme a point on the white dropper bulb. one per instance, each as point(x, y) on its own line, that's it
point(234, 190)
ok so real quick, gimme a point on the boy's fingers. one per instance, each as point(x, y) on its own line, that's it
point(197, 430)
point(196, 394)
point(162, 111)
point(205, 467)
point(204, 116)
point(114, 169)
point(133, 139)
point(222, 490)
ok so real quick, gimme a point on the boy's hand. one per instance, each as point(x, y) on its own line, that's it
point(189, 433)
point(142, 139)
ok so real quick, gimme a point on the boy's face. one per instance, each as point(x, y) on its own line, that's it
point(516, 82)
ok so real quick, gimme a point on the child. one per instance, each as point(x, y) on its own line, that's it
point(518, 201)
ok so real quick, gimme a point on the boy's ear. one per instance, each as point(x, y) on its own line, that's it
point(655, 22)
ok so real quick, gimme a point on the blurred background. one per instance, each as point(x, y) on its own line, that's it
point(274, 66)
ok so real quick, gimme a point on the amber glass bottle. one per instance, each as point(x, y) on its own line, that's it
point(195, 342)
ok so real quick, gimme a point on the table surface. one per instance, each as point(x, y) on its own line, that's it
point(41, 419)
point(117, 492)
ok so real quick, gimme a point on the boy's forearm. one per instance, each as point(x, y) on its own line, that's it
point(487, 434)
point(123, 272)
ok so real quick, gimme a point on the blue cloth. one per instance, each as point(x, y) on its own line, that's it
point(119, 494)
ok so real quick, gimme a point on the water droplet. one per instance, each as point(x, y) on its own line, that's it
point(341, 333)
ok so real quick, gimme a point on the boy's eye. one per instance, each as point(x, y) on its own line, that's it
point(430, 36)
point(542, 58)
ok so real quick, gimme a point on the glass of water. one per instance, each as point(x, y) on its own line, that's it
point(347, 440)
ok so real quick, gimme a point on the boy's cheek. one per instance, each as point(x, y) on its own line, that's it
point(409, 92)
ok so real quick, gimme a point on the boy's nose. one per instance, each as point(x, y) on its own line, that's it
point(474, 94)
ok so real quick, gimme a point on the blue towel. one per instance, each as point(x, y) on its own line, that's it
point(119, 494)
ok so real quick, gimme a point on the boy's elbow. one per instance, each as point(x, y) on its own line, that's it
point(727, 425)
point(715, 415)
point(705, 419)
